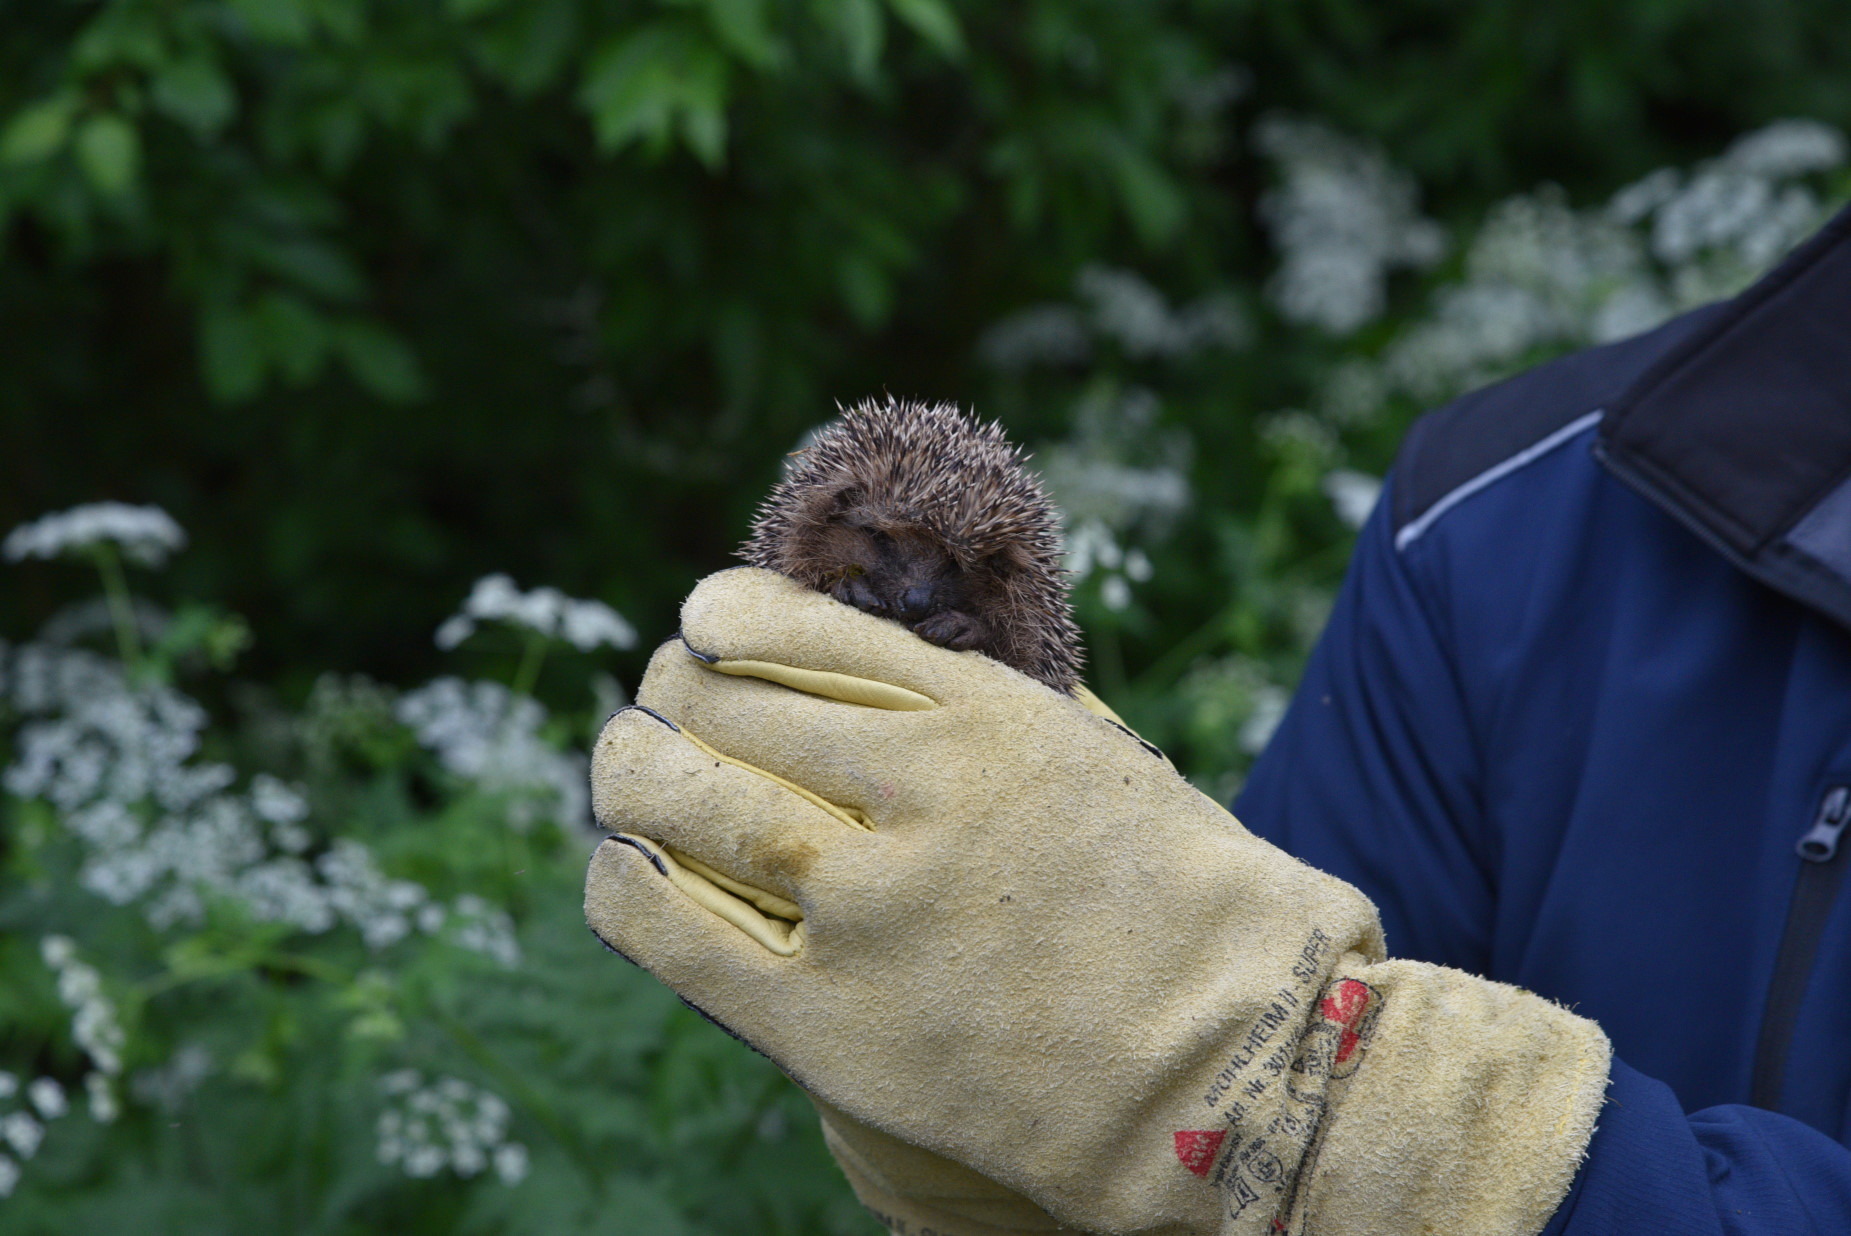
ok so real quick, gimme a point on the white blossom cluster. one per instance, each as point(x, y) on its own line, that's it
point(1342, 218)
point(485, 733)
point(1122, 307)
point(22, 1128)
point(1127, 309)
point(583, 624)
point(164, 829)
point(95, 1027)
point(1352, 494)
point(1540, 275)
point(143, 534)
point(79, 620)
point(1119, 467)
point(1092, 548)
point(447, 1124)
point(168, 1086)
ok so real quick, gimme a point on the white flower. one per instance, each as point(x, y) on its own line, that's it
point(1788, 148)
point(48, 1097)
point(1115, 592)
point(425, 1128)
point(1352, 493)
point(583, 624)
point(23, 1133)
point(102, 1095)
point(485, 733)
point(592, 624)
point(1341, 217)
point(169, 1085)
point(511, 1162)
point(422, 1161)
point(93, 1023)
point(1051, 335)
point(9, 1085)
point(145, 534)
point(9, 1176)
point(476, 924)
point(1129, 310)
point(400, 1081)
point(276, 802)
point(1269, 705)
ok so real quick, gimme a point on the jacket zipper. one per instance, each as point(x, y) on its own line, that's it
point(1821, 871)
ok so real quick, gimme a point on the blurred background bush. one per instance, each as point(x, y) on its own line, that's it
point(379, 301)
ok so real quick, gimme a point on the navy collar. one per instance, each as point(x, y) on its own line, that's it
point(1743, 431)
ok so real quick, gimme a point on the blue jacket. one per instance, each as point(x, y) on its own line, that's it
point(1586, 691)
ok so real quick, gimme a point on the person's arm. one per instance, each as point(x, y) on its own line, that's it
point(1374, 776)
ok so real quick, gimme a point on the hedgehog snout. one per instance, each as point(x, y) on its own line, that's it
point(918, 601)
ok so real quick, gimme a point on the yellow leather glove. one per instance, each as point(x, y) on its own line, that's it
point(969, 916)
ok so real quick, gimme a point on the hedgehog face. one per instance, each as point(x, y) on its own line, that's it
point(921, 514)
point(886, 567)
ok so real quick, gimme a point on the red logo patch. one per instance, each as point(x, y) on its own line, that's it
point(1345, 1005)
point(1196, 1149)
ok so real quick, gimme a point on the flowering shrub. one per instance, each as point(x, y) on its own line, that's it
point(1146, 383)
point(324, 969)
point(340, 981)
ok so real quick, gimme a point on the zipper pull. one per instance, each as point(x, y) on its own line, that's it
point(1821, 841)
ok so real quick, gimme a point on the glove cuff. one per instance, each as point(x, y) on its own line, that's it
point(1467, 1107)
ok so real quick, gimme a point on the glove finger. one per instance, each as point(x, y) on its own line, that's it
point(756, 617)
point(750, 832)
point(635, 908)
point(846, 755)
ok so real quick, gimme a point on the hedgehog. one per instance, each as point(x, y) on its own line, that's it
point(924, 515)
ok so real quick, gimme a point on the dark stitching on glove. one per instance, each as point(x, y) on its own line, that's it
point(609, 947)
point(636, 845)
point(1150, 747)
point(703, 657)
point(710, 1018)
point(644, 708)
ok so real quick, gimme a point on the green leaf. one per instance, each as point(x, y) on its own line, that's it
point(1151, 197)
point(380, 361)
point(744, 27)
point(293, 333)
point(37, 131)
point(197, 93)
point(866, 289)
point(655, 82)
point(109, 150)
point(933, 21)
point(275, 21)
point(861, 27)
point(527, 47)
point(230, 356)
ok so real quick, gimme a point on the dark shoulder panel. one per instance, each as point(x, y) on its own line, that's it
point(1478, 431)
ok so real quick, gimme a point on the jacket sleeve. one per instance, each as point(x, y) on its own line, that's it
point(1373, 776)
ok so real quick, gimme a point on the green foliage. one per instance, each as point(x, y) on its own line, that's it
point(381, 298)
point(270, 1053)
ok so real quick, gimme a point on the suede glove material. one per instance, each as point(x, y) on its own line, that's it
point(975, 920)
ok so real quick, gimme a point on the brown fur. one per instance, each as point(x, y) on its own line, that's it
point(922, 514)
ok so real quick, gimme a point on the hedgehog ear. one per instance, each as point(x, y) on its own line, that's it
point(846, 499)
point(1010, 557)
